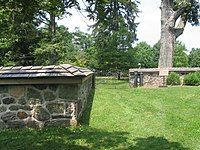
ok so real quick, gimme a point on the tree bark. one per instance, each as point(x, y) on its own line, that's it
point(52, 25)
point(167, 39)
point(169, 32)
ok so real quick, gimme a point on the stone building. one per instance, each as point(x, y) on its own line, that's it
point(40, 96)
point(155, 77)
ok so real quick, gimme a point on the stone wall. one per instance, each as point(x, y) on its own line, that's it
point(152, 79)
point(37, 106)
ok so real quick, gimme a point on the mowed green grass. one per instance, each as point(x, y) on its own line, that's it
point(123, 118)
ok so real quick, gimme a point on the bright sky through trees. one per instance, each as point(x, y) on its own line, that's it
point(149, 25)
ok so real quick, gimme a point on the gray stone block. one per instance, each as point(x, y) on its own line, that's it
point(2, 109)
point(34, 96)
point(41, 114)
point(8, 116)
point(68, 92)
point(16, 124)
point(17, 107)
point(8, 100)
point(55, 108)
point(57, 123)
point(2, 125)
point(49, 96)
point(3, 89)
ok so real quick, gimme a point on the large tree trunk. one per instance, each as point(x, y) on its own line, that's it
point(169, 32)
point(52, 25)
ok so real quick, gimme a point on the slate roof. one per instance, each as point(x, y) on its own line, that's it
point(64, 70)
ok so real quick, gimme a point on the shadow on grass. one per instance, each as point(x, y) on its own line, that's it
point(82, 138)
point(155, 143)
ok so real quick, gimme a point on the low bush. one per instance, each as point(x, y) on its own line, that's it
point(192, 79)
point(173, 79)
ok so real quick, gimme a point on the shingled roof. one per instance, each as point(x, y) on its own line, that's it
point(64, 70)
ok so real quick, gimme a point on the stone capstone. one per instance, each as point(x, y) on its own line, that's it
point(8, 116)
point(41, 114)
point(8, 100)
point(49, 96)
point(57, 108)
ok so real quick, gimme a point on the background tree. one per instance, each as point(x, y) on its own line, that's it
point(50, 10)
point(56, 50)
point(171, 12)
point(180, 58)
point(19, 35)
point(114, 32)
point(194, 57)
point(145, 55)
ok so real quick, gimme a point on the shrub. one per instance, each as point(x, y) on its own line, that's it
point(173, 79)
point(192, 79)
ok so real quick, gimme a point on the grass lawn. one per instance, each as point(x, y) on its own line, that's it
point(123, 118)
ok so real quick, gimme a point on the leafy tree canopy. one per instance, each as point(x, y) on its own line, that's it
point(194, 57)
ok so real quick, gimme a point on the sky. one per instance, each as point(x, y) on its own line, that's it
point(149, 25)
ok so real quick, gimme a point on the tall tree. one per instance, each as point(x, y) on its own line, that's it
point(194, 57)
point(180, 58)
point(55, 50)
point(145, 55)
point(49, 10)
point(19, 33)
point(114, 31)
point(173, 11)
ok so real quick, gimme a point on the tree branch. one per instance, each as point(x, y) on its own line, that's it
point(179, 12)
point(167, 3)
point(180, 27)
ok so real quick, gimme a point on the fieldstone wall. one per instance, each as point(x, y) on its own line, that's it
point(152, 79)
point(38, 106)
point(149, 77)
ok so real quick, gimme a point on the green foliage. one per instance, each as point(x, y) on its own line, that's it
point(191, 13)
point(192, 79)
point(194, 57)
point(113, 48)
point(113, 14)
point(19, 35)
point(173, 79)
point(55, 50)
point(91, 57)
point(145, 55)
point(114, 32)
point(180, 58)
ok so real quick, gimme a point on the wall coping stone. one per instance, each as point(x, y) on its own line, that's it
point(174, 69)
